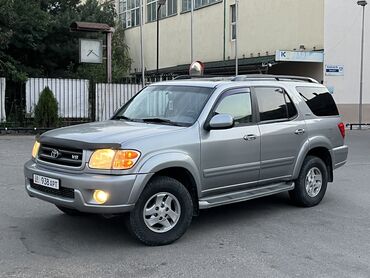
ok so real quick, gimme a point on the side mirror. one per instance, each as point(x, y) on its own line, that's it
point(221, 121)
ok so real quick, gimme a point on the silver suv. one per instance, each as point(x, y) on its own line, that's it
point(181, 146)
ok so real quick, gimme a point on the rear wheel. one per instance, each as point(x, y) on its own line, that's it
point(163, 212)
point(310, 187)
point(71, 212)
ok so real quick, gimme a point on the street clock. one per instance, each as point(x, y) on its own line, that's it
point(91, 51)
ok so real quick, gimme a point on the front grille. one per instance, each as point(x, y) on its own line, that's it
point(62, 191)
point(61, 155)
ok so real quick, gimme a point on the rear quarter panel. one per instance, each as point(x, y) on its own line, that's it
point(322, 132)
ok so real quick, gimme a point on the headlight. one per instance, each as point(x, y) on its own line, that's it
point(108, 159)
point(35, 149)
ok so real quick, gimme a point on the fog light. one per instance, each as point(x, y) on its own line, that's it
point(100, 196)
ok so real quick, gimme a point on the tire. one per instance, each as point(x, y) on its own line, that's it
point(71, 212)
point(307, 192)
point(149, 221)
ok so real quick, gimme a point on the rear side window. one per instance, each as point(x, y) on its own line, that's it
point(319, 100)
point(274, 104)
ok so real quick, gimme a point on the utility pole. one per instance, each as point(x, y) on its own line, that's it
point(192, 32)
point(159, 3)
point(142, 44)
point(236, 36)
point(362, 4)
point(109, 55)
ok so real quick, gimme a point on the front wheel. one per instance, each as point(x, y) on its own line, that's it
point(163, 212)
point(310, 187)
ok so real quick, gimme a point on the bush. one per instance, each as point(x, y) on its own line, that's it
point(46, 110)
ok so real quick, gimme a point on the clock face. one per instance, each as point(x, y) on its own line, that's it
point(91, 51)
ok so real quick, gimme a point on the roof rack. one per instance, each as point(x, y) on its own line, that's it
point(183, 77)
point(250, 77)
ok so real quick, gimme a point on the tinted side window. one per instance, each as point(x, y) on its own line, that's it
point(237, 105)
point(274, 104)
point(319, 100)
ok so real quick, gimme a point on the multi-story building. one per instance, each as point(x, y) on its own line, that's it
point(264, 27)
point(343, 26)
point(305, 29)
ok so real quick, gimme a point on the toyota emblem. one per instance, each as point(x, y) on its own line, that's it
point(55, 153)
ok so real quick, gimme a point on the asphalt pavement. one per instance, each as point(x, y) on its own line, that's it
point(266, 237)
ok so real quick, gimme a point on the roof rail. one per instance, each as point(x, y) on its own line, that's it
point(183, 77)
point(249, 77)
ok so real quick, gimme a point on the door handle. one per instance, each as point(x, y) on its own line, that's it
point(299, 131)
point(250, 137)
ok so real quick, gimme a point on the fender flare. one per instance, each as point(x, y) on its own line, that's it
point(308, 145)
point(159, 162)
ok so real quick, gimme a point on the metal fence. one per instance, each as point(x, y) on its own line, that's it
point(110, 97)
point(79, 100)
point(72, 96)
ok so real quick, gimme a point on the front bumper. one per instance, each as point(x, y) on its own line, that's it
point(119, 187)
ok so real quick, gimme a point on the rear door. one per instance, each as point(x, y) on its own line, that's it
point(283, 132)
point(230, 158)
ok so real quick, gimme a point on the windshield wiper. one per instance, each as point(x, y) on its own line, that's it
point(162, 121)
point(127, 119)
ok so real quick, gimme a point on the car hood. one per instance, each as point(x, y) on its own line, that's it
point(111, 133)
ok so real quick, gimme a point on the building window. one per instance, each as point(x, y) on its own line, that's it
point(168, 9)
point(129, 13)
point(233, 22)
point(186, 4)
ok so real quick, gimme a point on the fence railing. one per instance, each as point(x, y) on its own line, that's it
point(2, 100)
point(79, 100)
point(72, 96)
point(110, 97)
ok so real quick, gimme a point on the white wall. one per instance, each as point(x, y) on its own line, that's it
point(342, 47)
point(269, 25)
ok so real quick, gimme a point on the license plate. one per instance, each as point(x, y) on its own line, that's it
point(45, 181)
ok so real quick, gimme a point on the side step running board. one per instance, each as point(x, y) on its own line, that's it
point(240, 196)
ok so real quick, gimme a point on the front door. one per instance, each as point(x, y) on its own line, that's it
point(230, 158)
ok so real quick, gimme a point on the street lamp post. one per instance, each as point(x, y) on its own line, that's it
point(191, 31)
point(159, 4)
point(236, 36)
point(362, 3)
point(142, 44)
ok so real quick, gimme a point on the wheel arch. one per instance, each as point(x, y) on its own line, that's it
point(319, 149)
point(178, 166)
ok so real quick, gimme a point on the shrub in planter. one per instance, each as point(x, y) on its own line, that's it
point(46, 110)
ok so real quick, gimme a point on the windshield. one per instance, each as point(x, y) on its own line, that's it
point(175, 105)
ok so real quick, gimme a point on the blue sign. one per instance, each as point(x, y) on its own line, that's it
point(299, 56)
point(334, 70)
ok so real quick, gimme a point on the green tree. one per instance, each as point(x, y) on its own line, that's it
point(23, 26)
point(35, 39)
point(121, 61)
point(46, 110)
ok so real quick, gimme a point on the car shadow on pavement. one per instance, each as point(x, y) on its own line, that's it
point(95, 230)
